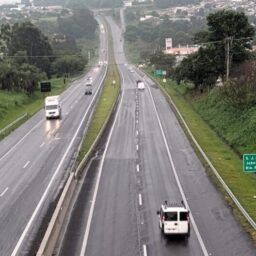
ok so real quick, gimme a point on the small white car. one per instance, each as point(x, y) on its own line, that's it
point(174, 219)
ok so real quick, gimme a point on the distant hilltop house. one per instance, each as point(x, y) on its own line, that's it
point(129, 3)
point(180, 52)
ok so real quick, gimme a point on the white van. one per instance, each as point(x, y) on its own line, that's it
point(174, 219)
point(140, 85)
point(52, 107)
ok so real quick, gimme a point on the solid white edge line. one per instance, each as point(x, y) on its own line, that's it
point(140, 199)
point(145, 250)
point(87, 230)
point(27, 163)
point(138, 168)
point(2, 194)
point(29, 224)
point(200, 240)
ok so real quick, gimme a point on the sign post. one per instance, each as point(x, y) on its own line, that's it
point(249, 162)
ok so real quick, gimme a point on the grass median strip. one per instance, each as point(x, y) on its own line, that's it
point(225, 160)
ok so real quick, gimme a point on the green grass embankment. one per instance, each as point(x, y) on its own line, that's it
point(225, 160)
point(104, 106)
point(15, 104)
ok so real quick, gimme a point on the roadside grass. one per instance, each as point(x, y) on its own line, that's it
point(104, 105)
point(224, 159)
point(15, 104)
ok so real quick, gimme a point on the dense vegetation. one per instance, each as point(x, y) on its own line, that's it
point(226, 43)
point(230, 109)
point(169, 3)
point(30, 56)
point(150, 36)
point(235, 125)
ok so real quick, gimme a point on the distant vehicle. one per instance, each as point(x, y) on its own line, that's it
point(89, 80)
point(174, 219)
point(140, 85)
point(52, 107)
point(88, 91)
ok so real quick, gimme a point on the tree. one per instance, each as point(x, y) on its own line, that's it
point(80, 24)
point(28, 38)
point(227, 28)
point(162, 61)
point(68, 65)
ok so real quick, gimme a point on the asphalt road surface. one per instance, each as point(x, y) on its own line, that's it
point(147, 160)
point(37, 157)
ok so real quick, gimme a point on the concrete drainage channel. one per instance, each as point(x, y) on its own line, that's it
point(54, 227)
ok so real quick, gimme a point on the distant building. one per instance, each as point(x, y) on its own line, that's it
point(127, 3)
point(180, 52)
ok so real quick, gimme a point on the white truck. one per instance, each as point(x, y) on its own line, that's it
point(52, 107)
point(140, 85)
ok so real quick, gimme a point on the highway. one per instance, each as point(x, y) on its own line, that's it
point(37, 157)
point(148, 159)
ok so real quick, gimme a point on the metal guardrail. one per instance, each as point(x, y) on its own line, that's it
point(13, 123)
point(225, 186)
point(52, 233)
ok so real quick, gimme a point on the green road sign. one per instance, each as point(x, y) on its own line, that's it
point(249, 162)
point(158, 72)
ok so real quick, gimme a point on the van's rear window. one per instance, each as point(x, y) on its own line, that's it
point(51, 107)
point(171, 216)
point(183, 216)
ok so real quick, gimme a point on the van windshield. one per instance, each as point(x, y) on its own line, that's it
point(51, 107)
point(170, 216)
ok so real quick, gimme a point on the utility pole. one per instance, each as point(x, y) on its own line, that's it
point(228, 41)
point(228, 58)
point(89, 56)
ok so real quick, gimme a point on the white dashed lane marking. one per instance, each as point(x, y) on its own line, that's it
point(27, 163)
point(2, 194)
point(140, 199)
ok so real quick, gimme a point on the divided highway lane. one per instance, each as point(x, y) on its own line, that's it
point(219, 231)
point(37, 153)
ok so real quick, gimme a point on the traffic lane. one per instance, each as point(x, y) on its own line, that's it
point(27, 152)
point(16, 165)
point(22, 198)
point(158, 185)
point(63, 137)
point(118, 46)
point(113, 231)
point(73, 238)
point(213, 216)
point(115, 211)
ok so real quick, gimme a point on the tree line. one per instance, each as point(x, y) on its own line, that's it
point(28, 56)
point(225, 55)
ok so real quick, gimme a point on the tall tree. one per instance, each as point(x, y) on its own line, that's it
point(26, 37)
point(229, 34)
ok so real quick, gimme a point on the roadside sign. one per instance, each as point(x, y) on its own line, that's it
point(45, 86)
point(158, 72)
point(249, 162)
point(164, 72)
